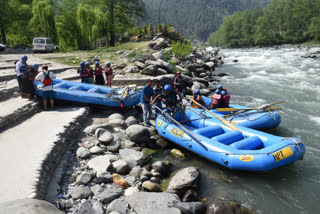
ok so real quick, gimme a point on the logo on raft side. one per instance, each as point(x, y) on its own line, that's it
point(246, 158)
point(177, 132)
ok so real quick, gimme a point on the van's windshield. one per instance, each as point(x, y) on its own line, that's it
point(41, 41)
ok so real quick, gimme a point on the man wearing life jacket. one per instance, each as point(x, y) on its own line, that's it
point(21, 69)
point(216, 100)
point(170, 100)
point(47, 90)
point(109, 74)
point(225, 99)
point(157, 94)
point(179, 85)
point(98, 72)
point(84, 74)
point(90, 73)
point(27, 88)
point(197, 97)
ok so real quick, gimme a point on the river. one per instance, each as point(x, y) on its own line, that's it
point(266, 76)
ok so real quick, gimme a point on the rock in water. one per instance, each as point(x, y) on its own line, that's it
point(83, 152)
point(218, 206)
point(132, 157)
point(120, 181)
point(141, 201)
point(190, 207)
point(177, 153)
point(80, 193)
point(91, 207)
point(184, 179)
point(137, 133)
point(28, 206)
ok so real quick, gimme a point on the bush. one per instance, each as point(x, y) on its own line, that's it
point(181, 49)
point(150, 29)
point(144, 29)
point(134, 31)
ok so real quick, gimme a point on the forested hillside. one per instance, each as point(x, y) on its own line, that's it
point(195, 18)
point(282, 21)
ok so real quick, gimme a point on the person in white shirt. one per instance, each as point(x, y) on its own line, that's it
point(21, 69)
point(47, 91)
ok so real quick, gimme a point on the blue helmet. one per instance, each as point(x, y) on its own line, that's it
point(108, 63)
point(223, 93)
point(97, 63)
point(197, 91)
point(217, 92)
point(35, 66)
point(167, 87)
point(82, 64)
point(24, 58)
point(87, 64)
point(220, 87)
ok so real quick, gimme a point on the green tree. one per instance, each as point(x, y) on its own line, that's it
point(181, 48)
point(144, 29)
point(150, 29)
point(86, 21)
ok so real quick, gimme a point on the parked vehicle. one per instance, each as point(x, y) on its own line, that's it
point(42, 44)
point(2, 47)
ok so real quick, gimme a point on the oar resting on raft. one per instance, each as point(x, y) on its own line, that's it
point(233, 127)
point(249, 109)
point(197, 140)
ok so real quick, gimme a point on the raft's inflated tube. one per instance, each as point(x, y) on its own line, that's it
point(229, 137)
point(210, 131)
point(94, 90)
point(249, 143)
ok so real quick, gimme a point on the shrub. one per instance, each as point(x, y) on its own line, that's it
point(181, 49)
point(144, 29)
point(150, 29)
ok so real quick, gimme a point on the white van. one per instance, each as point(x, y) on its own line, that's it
point(42, 44)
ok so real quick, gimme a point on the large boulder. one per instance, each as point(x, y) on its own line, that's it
point(104, 136)
point(166, 79)
point(210, 65)
point(160, 43)
point(132, 157)
point(82, 152)
point(151, 187)
point(184, 179)
point(139, 201)
point(100, 163)
point(120, 166)
point(159, 55)
point(198, 85)
point(118, 205)
point(132, 69)
point(131, 121)
point(218, 206)
point(28, 206)
point(140, 65)
point(190, 207)
point(161, 71)
point(84, 178)
point(116, 116)
point(80, 192)
point(138, 133)
point(150, 70)
point(109, 194)
point(165, 65)
point(91, 207)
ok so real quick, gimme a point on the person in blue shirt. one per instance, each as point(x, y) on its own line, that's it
point(146, 101)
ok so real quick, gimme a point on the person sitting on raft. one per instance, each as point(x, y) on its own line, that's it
point(83, 73)
point(98, 72)
point(216, 100)
point(171, 101)
point(197, 97)
point(225, 99)
point(90, 73)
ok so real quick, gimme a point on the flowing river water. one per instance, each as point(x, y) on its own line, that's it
point(266, 76)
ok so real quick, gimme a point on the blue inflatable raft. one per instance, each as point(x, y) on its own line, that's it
point(247, 149)
point(255, 119)
point(92, 94)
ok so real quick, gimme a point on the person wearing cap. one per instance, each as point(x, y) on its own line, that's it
point(98, 72)
point(109, 74)
point(216, 100)
point(45, 77)
point(27, 88)
point(179, 85)
point(21, 69)
point(146, 101)
point(84, 74)
point(90, 72)
point(197, 97)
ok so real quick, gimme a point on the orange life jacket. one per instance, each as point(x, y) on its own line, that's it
point(216, 98)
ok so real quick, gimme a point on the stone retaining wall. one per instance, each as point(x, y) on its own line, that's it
point(51, 160)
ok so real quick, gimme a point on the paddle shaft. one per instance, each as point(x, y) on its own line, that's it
point(222, 120)
point(198, 140)
point(243, 109)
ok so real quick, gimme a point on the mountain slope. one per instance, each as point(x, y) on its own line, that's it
point(195, 18)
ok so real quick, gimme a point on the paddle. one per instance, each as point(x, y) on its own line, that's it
point(248, 109)
point(198, 140)
point(222, 120)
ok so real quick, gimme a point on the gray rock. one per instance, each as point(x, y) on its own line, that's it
point(190, 207)
point(90, 130)
point(100, 163)
point(159, 55)
point(198, 85)
point(137, 133)
point(166, 79)
point(118, 205)
point(141, 201)
point(80, 192)
point(120, 166)
point(131, 121)
point(96, 150)
point(205, 92)
point(109, 194)
point(200, 80)
point(130, 191)
point(160, 43)
point(83, 152)
point(190, 195)
point(91, 207)
point(103, 177)
point(161, 71)
point(97, 189)
point(131, 69)
point(150, 186)
point(128, 53)
point(84, 178)
point(147, 57)
point(159, 166)
point(136, 171)
point(150, 70)
point(28, 206)
point(116, 116)
point(117, 123)
point(128, 144)
point(151, 62)
point(167, 66)
point(132, 157)
point(140, 65)
point(114, 147)
point(210, 64)
point(162, 143)
point(88, 144)
point(183, 179)
point(104, 136)
point(218, 206)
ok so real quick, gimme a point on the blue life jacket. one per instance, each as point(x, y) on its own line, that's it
point(24, 67)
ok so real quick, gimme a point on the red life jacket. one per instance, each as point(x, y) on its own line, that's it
point(90, 72)
point(226, 99)
point(84, 72)
point(216, 98)
point(108, 71)
point(98, 71)
point(47, 80)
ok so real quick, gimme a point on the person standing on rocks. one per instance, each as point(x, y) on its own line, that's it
point(27, 88)
point(109, 74)
point(84, 74)
point(47, 90)
point(21, 69)
point(90, 73)
point(98, 72)
point(146, 102)
point(179, 85)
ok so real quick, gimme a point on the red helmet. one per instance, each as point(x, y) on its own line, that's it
point(44, 66)
point(178, 72)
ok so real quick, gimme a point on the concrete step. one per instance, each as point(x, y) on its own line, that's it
point(31, 151)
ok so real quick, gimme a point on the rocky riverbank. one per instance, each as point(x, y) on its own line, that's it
point(112, 171)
